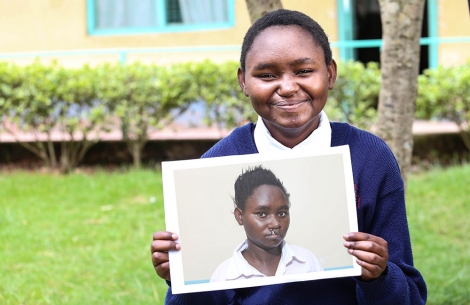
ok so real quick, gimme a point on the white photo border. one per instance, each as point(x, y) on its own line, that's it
point(178, 283)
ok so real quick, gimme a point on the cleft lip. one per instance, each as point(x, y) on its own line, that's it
point(274, 233)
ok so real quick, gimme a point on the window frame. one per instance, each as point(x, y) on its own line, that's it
point(347, 45)
point(162, 27)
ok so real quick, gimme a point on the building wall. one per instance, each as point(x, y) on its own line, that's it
point(454, 21)
point(53, 28)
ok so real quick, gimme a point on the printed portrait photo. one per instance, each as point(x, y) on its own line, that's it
point(256, 220)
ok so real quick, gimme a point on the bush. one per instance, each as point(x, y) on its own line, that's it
point(225, 103)
point(143, 97)
point(40, 99)
point(355, 96)
point(444, 93)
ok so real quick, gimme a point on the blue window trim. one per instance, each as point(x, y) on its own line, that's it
point(347, 44)
point(346, 28)
point(162, 27)
point(433, 34)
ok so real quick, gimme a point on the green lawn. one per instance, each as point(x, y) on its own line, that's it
point(84, 238)
point(438, 205)
point(79, 239)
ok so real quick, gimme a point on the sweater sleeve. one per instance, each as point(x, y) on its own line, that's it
point(382, 213)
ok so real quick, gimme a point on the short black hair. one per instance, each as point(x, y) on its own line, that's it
point(284, 17)
point(252, 178)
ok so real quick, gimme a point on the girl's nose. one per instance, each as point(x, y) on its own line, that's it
point(274, 223)
point(288, 85)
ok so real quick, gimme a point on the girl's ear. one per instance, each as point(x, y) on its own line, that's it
point(241, 81)
point(332, 73)
point(238, 216)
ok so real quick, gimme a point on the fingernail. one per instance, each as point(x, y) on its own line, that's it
point(345, 236)
point(174, 236)
point(350, 251)
point(346, 244)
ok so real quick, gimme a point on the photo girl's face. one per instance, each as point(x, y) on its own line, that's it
point(266, 217)
point(287, 79)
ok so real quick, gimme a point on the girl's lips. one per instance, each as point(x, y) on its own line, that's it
point(289, 106)
point(274, 234)
point(274, 237)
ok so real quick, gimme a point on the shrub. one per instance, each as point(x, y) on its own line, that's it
point(43, 99)
point(444, 93)
point(143, 97)
point(355, 96)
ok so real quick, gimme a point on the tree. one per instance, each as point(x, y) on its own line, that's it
point(257, 8)
point(401, 31)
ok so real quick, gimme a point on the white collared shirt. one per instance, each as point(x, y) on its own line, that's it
point(319, 138)
point(294, 260)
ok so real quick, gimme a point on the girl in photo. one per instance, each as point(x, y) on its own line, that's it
point(262, 208)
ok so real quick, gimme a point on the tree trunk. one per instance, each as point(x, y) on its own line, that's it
point(137, 155)
point(257, 8)
point(51, 152)
point(399, 60)
point(136, 146)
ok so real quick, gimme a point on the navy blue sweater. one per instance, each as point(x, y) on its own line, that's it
point(380, 211)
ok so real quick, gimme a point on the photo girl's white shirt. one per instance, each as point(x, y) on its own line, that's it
point(294, 260)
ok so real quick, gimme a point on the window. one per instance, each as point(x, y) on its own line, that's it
point(360, 31)
point(108, 17)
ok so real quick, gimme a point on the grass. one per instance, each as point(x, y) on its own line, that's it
point(79, 239)
point(84, 238)
point(438, 205)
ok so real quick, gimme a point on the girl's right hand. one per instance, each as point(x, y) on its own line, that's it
point(163, 242)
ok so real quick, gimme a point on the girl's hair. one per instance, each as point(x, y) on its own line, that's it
point(284, 18)
point(250, 179)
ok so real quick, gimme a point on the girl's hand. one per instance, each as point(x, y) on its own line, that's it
point(162, 243)
point(371, 253)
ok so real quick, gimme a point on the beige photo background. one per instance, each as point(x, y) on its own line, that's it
point(209, 232)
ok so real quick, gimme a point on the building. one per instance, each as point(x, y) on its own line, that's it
point(164, 31)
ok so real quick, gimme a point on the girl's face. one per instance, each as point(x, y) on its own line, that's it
point(266, 217)
point(287, 79)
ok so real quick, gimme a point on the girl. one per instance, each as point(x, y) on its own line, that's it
point(286, 70)
point(262, 208)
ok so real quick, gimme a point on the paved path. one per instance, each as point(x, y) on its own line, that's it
point(211, 133)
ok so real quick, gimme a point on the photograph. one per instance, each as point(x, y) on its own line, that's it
point(252, 220)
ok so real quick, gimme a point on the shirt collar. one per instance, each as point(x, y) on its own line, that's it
point(239, 265)
point(319, 138)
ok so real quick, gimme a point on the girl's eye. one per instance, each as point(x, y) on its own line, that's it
point(261, 214)
point(283, 214)
point(266, 76)
point(304, 71)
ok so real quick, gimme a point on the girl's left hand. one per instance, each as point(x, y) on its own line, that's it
point(371, 253)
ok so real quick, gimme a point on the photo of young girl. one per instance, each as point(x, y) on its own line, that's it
point(262, 208)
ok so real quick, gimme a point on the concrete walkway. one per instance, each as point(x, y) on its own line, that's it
point(203, 133)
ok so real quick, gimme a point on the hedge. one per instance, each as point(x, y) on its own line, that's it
point(40, 99)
